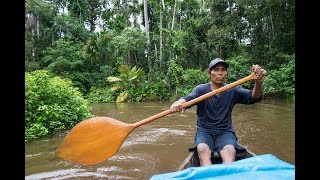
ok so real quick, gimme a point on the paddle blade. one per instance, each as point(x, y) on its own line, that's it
point(93, 140)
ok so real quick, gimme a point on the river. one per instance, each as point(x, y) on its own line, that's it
point(162, 145)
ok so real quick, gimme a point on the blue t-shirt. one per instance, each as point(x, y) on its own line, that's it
point(214, 113)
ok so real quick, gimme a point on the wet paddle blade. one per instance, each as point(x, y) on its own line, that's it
point(94, 140)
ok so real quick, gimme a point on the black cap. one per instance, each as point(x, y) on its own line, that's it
point(216, 61)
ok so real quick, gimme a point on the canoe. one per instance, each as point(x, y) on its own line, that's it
point(265, 166)
point(192, 159)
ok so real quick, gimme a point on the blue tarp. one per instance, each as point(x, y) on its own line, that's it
point(265, 167)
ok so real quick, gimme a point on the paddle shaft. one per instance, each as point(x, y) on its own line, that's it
point(198, 99)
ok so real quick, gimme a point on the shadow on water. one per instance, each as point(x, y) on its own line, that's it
point(161, 145)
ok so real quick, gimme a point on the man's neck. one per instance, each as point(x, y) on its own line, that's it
point(215, 86)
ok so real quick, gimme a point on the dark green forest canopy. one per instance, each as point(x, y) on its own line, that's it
point(167, 55)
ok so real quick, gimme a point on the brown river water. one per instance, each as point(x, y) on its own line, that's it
point(162, 145)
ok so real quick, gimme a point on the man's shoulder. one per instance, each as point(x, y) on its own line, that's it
point(203, 86)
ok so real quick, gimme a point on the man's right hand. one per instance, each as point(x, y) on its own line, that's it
point(177, 105)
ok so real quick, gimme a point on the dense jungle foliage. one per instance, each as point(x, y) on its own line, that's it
point(104, 51)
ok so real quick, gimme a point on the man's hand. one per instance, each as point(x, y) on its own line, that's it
point(260, 73)
point(177, 105)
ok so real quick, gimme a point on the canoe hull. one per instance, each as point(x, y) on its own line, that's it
point(192, 159)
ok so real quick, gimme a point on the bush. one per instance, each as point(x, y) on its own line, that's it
point(100, 95)
point(52, 104)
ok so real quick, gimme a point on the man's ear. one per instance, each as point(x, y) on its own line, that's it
point(209, 73)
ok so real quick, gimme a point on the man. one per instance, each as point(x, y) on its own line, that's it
point(214, 122)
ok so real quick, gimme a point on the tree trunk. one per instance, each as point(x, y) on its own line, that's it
point(271, 32)
point(156, 50)
point(38, 29)
point(174, 12)
point(146, 24)
point(80, 16)
point(33, 45)
point(160, 46)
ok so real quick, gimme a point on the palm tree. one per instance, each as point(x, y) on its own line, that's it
point(127, 79)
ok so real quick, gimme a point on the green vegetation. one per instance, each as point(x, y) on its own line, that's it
point(127, 79)
point(122, 62)
point(52, 105)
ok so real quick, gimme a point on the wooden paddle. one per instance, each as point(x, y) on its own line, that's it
point(97, 139)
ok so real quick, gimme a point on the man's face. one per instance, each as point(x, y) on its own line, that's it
point(218, 73)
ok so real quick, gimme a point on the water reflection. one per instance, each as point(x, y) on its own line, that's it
point(161, 146)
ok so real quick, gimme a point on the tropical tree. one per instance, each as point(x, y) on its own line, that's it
point(127, 79)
